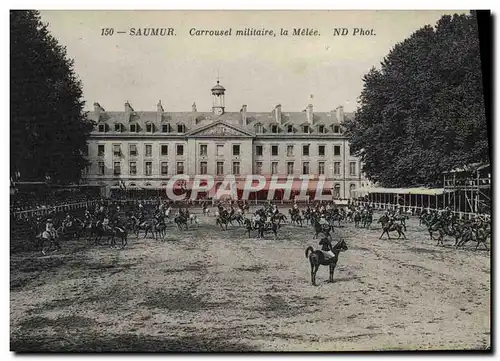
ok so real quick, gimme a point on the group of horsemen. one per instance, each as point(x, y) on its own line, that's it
point(107, 216)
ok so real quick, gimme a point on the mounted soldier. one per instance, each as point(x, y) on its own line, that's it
point(326, 247)
point(50, 231)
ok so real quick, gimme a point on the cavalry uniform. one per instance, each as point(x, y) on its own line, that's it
point(105, 223)
point(49, 228)
point(327, 248)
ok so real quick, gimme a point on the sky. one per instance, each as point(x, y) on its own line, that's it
point(259, 71)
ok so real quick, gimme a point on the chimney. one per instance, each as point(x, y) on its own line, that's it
point(277, 113)
point(193, 108)
point(309, 112)
point(243, 114)
point(159, 111)
point(340, 114)
point(128, 111)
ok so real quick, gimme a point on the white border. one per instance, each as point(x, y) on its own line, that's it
point(185, 4)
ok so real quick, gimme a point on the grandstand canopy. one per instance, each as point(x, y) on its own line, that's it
point(418, 191)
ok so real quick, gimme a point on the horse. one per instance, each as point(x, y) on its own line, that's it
point(388, 226)
point(181, 220)
point(317, 258)
point(295, 217)
point(321, 228)
point(280, 217)
point(263, 226)
point(222, 221)
point(121, 233)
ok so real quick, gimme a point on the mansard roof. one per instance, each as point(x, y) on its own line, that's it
point(195, 120)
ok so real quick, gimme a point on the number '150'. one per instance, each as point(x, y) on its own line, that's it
point(107, 31)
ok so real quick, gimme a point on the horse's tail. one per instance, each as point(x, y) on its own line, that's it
point(309, 249)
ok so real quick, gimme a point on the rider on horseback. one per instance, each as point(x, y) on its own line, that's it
point(49, 228)
point(68, 222)
point(326, 247)
point(105, 223)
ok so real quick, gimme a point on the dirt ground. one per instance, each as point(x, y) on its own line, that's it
point(210, 290)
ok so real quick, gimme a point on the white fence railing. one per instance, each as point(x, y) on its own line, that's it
point(387, 206)
point(49, 210)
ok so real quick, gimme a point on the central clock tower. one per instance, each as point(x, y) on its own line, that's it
point(218, 92)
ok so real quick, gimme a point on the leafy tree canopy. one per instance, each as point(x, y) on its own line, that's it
point(422, 113)
point(49, 128)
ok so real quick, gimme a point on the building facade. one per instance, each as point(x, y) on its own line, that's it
point(141, 149)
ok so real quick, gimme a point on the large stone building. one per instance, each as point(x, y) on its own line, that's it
point(144, 149)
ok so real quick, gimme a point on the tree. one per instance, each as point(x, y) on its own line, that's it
point(49, 129)
point(422, 113)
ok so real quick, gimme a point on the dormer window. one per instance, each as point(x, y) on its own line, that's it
point(102, 128)
point(336, 129)
point(321, 128)
point(259, 128)
point(149, 128)
point(164, 128)
point(118, 127)
point(181, 128)
point(133, 128)
point(290, 129)
point(274, 128)
point(305, 128)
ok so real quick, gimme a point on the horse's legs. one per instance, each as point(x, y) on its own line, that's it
point(383, 231)
point(332, 268)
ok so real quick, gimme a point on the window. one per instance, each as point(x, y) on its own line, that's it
point(149, 168)
point(336, 150)
point(132, 150)
point(164, 168)
point(258, 167)
point(181, 128)
point(149, 128)
point(321, 129)
point(220, 150)
point(149, 150)
point(203, 168)
point(118, 127)
point(305, 129)
point(352, 168)
point(289, 129)
point(180, 149)
point(133, 128)
point(236, 168)
point(258, 150)
point(274, 168)
point(289, 168)
point(289, 150)
point(220, 168)
point(164, 149)
point(100, 150)
point(165, 128)
point(133, 168)
point(117, 168)
point(321, 168)
point(336, 190)
point(321, 150)
point(352, 191)
point(336, 129)
point(101, 168)
point(236, 149)
point(274, 150)
point(258, 128)
point(180, 167)
point(305, 150)
point(305, 168)
point(116, 150)
point(102, 128)
point(336, 168)
point(274, 128)
point(203, 150)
